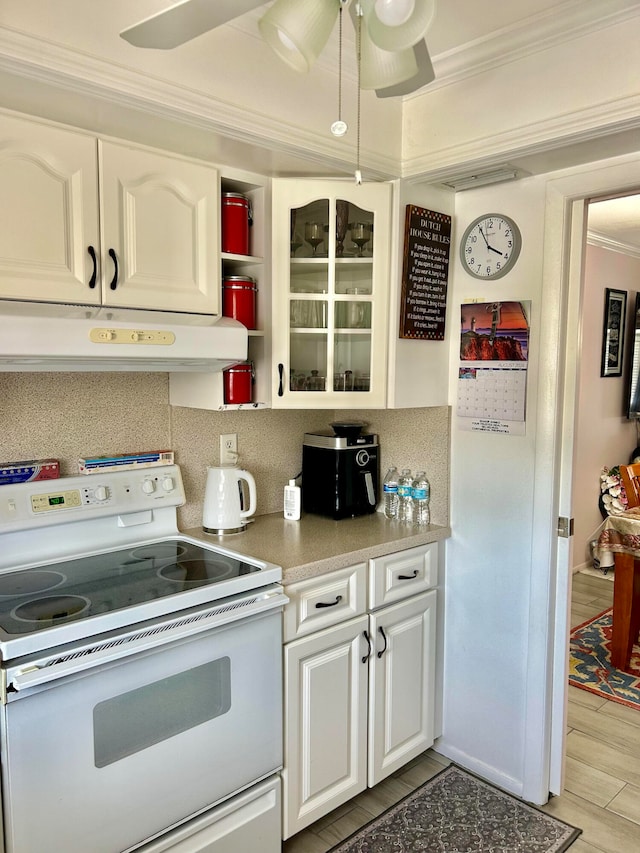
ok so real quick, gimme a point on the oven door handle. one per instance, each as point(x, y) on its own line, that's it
point(52, 668)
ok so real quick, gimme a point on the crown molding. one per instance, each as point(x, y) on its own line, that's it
point(594, 238)
point(35, 59)
point(564, 130)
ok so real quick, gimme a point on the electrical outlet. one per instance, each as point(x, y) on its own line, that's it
point(229, 449)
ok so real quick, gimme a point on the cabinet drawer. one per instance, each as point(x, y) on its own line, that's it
point(324, 601)
point(402, 574)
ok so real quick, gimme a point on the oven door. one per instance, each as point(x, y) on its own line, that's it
point(107, 758)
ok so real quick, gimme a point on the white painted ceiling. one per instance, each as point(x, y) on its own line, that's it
point(615, 224)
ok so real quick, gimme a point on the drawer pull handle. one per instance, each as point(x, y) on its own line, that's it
point(280, 380)
point(331, 603)
point(368, 654)
point(408, 577)
point(384, 637)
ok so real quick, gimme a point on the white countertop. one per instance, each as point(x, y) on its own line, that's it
point(315, 545)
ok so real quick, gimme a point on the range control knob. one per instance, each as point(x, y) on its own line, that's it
point(168, 485)
point(100, 493)
point(148, 487)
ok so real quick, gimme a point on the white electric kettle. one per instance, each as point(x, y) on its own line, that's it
point(224, 498)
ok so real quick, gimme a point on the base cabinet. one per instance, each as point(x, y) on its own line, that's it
point(326, 718)
point(359, 694)
point(401, 678)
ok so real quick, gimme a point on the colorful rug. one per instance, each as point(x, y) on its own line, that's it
point(455, 812)
point(590, 663)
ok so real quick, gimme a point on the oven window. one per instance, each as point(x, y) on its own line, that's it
point(140, 718)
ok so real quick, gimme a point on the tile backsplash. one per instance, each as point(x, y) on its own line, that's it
point(68, 415)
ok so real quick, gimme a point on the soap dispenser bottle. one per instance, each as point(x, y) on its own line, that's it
point(292, 501)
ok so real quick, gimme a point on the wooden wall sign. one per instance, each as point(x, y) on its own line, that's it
point(425, 274)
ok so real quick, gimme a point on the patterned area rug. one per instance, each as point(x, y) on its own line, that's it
point(590, 663)
point(455, 812)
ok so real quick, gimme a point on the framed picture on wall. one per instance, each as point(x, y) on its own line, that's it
point(615, 312)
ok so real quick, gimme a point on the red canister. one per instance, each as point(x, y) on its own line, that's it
point(239, 299)
point(238, 383)
point(236, 218)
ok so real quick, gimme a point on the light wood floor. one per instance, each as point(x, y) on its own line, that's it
point(602, 785)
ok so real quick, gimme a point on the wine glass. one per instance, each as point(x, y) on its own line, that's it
point(360, 235)
point(314, 235)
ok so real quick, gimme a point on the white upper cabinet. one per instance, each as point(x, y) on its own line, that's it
point(160, 231)
point(49, 213)
point(331, 248)
point(102, 223)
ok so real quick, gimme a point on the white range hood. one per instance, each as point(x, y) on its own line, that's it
point(49, 337)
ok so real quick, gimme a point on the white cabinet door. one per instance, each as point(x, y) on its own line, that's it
point(401, 684)
point(160, 231)
point(325, 736)
point(49, 213)
point(331, 246)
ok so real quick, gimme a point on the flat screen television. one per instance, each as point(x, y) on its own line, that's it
point(634, 368)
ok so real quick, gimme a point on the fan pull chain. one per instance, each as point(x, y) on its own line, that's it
point(359, 15)
point(339, 127)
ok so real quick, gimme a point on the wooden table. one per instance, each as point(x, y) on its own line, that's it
point(620, 539)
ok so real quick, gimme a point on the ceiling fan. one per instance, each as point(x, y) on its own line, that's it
point(393, 55)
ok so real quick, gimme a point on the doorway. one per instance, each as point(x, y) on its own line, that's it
point(563, 270)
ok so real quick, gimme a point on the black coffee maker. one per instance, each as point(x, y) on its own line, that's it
point(340, 471)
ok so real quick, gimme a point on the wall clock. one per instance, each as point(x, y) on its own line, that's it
point(490, 246)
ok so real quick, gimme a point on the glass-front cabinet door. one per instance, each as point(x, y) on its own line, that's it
point(331, 243)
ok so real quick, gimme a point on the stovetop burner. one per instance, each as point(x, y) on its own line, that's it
point(29, 583)
point(104, 583)
point(51, 610)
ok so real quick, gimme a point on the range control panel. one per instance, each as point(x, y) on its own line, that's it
point(30, 505)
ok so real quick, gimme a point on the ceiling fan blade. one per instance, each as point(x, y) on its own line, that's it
point(184, 21)
point(425, 75)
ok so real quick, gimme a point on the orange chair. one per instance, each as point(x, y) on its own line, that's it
point(630, 476)
point(626, 584)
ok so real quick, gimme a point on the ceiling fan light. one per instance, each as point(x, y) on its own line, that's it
point(298, 30)
point(382, 68)
point(393, 13)
point(397, 24)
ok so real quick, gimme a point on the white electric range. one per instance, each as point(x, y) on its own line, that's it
point(144, 662)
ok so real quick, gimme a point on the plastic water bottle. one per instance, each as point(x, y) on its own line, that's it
point(405, 501)
point(421, 492)
point(390, 491)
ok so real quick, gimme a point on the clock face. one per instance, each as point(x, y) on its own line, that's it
point(490, 246)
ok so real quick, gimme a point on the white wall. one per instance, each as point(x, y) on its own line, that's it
point(489, 556)
point(604, 436)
